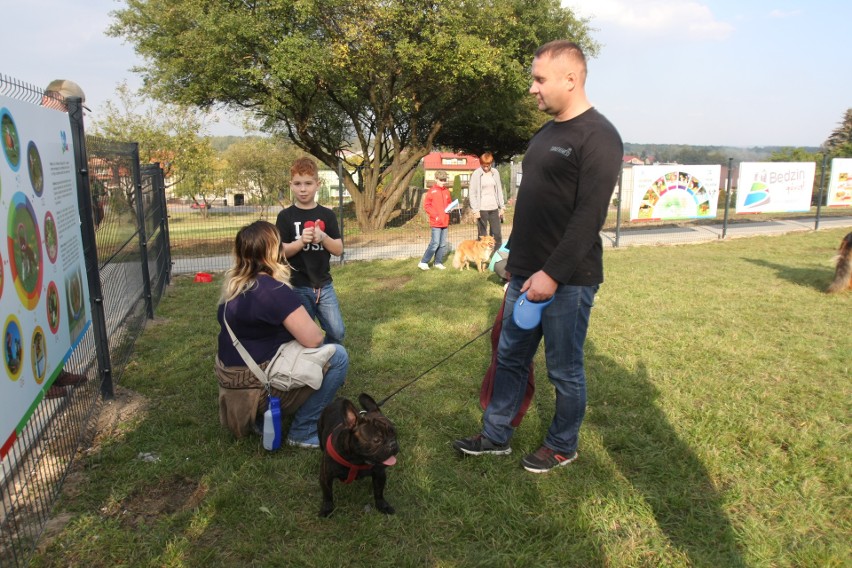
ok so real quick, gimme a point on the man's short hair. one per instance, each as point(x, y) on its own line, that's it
point(564, 48)
point(304, 166)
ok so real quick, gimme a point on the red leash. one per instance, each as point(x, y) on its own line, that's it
point(487, 387)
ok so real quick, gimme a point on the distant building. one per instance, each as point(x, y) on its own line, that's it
point(330, 184)
point(456, 165)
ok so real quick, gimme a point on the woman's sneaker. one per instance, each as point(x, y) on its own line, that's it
point(479, 444)
point(544, 459)
point(311, 443)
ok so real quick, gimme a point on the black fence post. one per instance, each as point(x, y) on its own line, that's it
point(727, 196)
point(143, 237)
point(618, 210)
point(819, 197)
point(90, 249)
point(159, 237)
point(160, 184)
point(340, 198)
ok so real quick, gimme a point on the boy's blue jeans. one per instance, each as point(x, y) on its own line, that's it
point(322, 304)
point(304, 425)
point(563, 325)
point(437, 246)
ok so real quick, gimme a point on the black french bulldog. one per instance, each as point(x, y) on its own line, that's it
point(355, 445)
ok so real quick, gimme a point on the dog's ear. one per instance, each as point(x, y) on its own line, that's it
point(367, 402)
point(350, 414)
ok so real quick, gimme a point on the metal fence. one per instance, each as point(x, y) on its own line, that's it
point(202, 238)
point(125, 242)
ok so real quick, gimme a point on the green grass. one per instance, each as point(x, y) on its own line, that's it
point(717, 431)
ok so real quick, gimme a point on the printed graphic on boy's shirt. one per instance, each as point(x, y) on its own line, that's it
point(308, 224)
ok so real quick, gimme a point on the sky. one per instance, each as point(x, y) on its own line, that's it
point(712, 72)
point(720, 72)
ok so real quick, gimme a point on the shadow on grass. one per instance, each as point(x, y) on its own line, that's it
point(816, 278)
point(659, 465)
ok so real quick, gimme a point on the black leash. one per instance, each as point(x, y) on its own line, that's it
point(436, 365)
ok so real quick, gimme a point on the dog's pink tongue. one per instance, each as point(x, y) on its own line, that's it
point(390, 461)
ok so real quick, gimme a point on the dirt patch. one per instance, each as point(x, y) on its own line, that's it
point(165, 498)
point(396, 283)
point(126, 407)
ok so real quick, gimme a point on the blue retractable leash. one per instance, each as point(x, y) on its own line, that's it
point(272, 424)
point(526, 313)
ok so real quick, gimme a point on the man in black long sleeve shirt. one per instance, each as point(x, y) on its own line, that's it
point(570, 170)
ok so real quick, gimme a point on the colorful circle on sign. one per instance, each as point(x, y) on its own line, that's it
point(13, 350)
point(9, 139)
point(38, 349)
point(75, 295)
point(51, 240)
point(53, 312)
point(24, 242)
point(35, 168)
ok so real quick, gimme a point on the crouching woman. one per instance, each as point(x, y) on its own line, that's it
point(264, 313)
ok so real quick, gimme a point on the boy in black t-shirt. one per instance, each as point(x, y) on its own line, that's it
point(309, 236)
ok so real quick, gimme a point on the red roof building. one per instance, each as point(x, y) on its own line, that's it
point(456, 165)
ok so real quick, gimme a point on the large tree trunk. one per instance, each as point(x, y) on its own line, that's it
point(377, 200)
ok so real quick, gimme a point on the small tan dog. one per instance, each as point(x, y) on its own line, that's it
point(843, 271)
point(478, 251)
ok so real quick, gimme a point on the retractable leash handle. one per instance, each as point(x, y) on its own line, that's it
point(526, 313)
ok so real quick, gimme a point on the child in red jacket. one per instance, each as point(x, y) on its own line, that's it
point(436, 202)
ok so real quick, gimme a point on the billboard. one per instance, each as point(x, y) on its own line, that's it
point(43, 287)
point(775, 187)
point(840, 184)
point(675, 192)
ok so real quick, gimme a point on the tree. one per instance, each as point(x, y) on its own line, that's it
point(380, 78)
point(261, 167)
point(789, 154)
point(839, 142)
point(503, 127)
point(172, 135)
point(457, 187)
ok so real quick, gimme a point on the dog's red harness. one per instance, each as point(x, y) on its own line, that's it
point(353, 468)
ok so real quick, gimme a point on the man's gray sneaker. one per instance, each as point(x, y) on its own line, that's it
point(478, 445)
point(544, 459)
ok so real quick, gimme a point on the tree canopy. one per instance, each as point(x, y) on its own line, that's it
point(839, 142)
point(262, 166)
point(385, 79)
point(171, 135)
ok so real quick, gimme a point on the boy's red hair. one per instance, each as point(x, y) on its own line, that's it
point(304, 166)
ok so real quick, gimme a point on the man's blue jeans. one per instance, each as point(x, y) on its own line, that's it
point(437, 246)
point(322, 304)
point(563, 325)
point(304, 425)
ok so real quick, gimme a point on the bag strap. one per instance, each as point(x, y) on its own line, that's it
point(248, 359)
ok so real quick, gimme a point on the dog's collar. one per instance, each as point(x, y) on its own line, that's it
point(353, 468)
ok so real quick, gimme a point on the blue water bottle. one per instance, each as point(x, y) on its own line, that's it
point(272, 424)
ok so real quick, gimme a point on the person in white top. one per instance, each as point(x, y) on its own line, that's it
point(486, 199)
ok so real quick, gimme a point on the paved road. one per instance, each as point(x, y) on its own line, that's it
point(627, 238)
